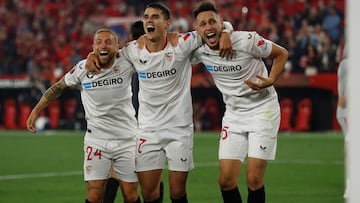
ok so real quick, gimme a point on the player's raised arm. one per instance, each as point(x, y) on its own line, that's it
point(51, 94)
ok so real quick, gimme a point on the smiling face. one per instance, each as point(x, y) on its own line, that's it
point(105, 46)
point(155, 24)
point(209, 26)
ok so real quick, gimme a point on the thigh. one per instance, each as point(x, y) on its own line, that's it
point(178, 146)
point(232, 145)
point(149, 154)
point(150, 183)
point(262, 146)
point(255, 171)
point(124, 160)
point(95, 189)
point(230, 169)
point(177, 182)
point(129, 191)
point(263, 137)
point(97, 162)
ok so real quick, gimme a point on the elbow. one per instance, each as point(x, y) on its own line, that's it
point(284, 54)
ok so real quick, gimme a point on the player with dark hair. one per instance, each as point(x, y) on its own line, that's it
point(109, 140)
point(165, 105)
point(251, 120)
point(112, 184)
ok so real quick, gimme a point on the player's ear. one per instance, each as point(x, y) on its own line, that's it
point(195, 25)
point(168, 23)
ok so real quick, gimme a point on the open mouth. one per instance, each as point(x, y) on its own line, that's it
point(150, 28)
point(103, 53)
point(211, 37)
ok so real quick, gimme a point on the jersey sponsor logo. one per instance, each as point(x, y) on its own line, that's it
point(102, 83)
point(212, 68)
point(158, 74)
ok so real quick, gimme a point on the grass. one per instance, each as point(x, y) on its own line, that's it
point(47, 167)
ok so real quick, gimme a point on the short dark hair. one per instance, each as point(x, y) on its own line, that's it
point(160, 6)
point(137, 29)
point(204, 6)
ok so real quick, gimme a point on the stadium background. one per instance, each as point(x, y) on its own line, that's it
point(42, 39)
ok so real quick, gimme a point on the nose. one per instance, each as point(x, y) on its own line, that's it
point(102, 45)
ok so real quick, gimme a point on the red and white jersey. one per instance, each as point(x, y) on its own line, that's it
point(106, 98)
point(229, 75)
point(164, 82)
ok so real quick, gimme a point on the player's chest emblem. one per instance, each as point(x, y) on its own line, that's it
point(169, 56)
point(116, 70)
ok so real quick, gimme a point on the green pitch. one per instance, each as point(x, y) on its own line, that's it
point(47, 167)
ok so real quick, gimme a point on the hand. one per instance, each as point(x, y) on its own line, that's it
point(141, 41)
point(30, 122)
point(92, 63)
point(173, 38)
point(263, 83)
point(225, 46)
point(341, 102)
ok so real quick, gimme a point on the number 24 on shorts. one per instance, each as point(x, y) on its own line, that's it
point(92, 154)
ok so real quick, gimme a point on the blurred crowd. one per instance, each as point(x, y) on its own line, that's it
point(43, 39)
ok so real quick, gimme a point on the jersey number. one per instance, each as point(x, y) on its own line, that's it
point(141, 142)
point(91, 154)
point(224, 132)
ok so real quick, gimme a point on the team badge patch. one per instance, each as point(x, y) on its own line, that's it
point(261, 42)
point(186, 36)
point(116, 70)
point(169, 56)
point(88, 169)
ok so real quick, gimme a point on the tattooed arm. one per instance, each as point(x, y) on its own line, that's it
point(50, 95)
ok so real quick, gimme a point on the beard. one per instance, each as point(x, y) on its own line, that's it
point(105, 61)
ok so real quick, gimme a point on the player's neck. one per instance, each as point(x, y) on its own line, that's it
point(108, 65)
point(156, 45)
point(215, 47)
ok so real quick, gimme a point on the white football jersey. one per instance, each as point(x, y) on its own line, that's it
point(164, 82)
point(229, 75)
point(106, 98)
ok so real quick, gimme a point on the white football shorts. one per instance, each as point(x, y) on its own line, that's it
point(100, 155)
point(251, 135)
point(174, 145)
